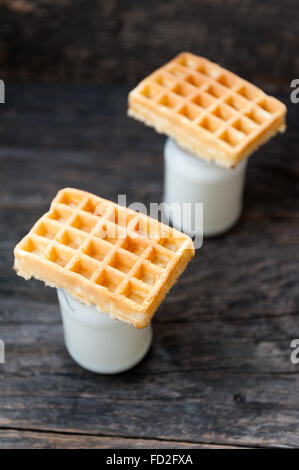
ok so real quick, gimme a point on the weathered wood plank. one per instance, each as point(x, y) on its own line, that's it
point(124, 41)
point(230, 281)
point(11, 439)
point(219, 370)
point(212, 381)
point(260, 343)
point(81, 134)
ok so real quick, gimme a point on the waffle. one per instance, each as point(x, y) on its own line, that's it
point(207, 109)
point(104, 254)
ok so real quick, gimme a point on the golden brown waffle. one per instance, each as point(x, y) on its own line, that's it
point(207, 109)
point(104, 254)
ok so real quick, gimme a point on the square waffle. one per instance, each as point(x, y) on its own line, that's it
point(207, 109)
point(104, 254)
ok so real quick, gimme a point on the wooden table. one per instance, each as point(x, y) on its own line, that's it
point(219, 371)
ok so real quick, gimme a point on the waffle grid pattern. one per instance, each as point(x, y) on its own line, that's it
point(210, 101)
point(106, 245)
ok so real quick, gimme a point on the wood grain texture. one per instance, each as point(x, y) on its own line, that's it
point(15, 439)
point(120, 41)
point(219, 370)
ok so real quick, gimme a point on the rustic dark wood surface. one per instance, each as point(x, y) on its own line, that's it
point(219, 371)
point(119, 41)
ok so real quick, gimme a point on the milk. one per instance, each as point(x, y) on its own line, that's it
point(98, 342)
point(192, 179)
